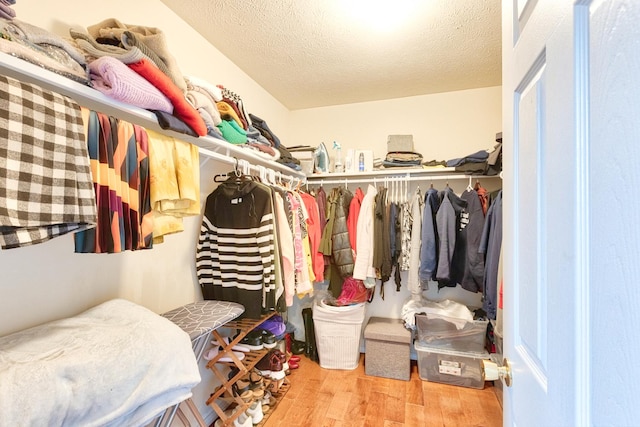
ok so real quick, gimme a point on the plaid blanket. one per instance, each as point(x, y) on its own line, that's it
point(46, 188)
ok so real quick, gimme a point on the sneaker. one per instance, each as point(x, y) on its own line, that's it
point(270, 365)
point(253, 340)
point(255, 412)
point(243, 420)
point(268, 339)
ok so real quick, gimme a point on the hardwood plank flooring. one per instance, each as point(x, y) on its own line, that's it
point(338, 398)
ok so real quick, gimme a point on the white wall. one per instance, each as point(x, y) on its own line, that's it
point(444, 125)
point(48, 281)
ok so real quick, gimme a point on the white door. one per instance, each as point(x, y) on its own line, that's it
point(571, 102)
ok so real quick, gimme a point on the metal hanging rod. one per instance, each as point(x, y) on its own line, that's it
point(381, 179)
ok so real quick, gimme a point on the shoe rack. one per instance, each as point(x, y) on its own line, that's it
point(243, 326)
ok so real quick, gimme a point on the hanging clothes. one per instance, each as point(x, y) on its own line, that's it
point(313, 228)
point(472, 279)
point(417, 206)
point(405, 235)
point(287, 251)
point(174, 166)
point(235, 251)
point(450, 264)
point(490, 246)
point(429, 243)
point(341, 254)
point(30, 210)
point(352, 218)
point(395, 243)
point(119, 154)
point(363, 267)
point(381, 247)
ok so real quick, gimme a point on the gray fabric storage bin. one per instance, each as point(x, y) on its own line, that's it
point(388, 349)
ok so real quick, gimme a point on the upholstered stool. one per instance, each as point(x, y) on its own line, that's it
point(388, 348)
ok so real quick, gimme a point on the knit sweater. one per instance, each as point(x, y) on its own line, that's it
point(235, 252)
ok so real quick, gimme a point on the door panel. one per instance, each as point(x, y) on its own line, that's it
point(539, 217)
point(571, 130)
point(531, 302)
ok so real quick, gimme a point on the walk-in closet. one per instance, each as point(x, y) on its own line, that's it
point(205, 220)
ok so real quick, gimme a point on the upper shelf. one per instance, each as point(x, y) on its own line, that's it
point(402, 173)
point(97, 101)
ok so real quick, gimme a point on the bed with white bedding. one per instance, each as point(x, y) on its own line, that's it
point(116, 364)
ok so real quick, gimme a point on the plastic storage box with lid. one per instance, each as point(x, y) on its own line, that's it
point(388, 348)
point(450, 333)
point(460, 368)
point(338, 331)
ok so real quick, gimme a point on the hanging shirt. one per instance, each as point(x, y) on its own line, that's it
point(491, 244)
point(472, 278)
point(352, 218)
point(313, 228)
point(235, 253)
point(417, 205)
point(363, 268)
point(429, 244)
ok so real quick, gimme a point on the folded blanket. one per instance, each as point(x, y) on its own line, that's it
point(201, 100)
point(146, 38)
point(113, 78)
point(181, 108)
point(16, 42)
point(115, 364)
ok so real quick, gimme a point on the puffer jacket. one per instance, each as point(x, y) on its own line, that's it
point(341, 248)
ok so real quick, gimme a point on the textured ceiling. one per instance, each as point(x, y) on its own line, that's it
point(312, 53)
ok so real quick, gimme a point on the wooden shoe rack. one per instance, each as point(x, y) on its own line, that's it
point(243, 326)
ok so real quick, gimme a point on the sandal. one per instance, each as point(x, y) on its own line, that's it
point(242, 390)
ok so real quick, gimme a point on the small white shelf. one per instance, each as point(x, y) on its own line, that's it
point(90, 98)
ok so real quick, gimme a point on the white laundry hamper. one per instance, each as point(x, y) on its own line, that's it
point(337, 331)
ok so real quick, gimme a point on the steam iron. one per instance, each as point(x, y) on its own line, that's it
point(321, 156)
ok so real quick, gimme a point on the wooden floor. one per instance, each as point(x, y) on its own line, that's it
point(326, 397)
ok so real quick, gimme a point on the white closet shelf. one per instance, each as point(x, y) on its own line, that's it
point(90, 98)
point(404, 174)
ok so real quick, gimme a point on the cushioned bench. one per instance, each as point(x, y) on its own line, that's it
point(388, 348)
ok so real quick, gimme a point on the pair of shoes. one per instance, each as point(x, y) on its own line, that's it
point(271, 365)
point(293, 358)
point(213, 352)
point(243, 420)
point(253, 340)
point(237, 347)
point(268, 338)
point(243, 390)
point(293, 364)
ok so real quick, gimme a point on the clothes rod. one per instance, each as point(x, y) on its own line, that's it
point(247, 168)
point(382, 179)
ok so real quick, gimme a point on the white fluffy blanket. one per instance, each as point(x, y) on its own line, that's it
point(115, 364)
